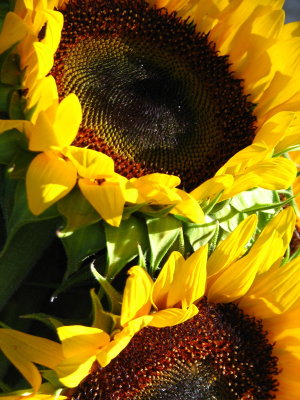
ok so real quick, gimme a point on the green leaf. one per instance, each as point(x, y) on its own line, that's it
point(255, 199)
point(102, 319)
point(51, 377)
point(77, 211)
point(83, 275)
point(7, 192)
point(46, 319)
point(17, 105)
point(198, 236)
point(10, 73)
point(6, 92)
point(21, 253)
point(128, 210)
point(21, 215)
point(10, 143)
point(142, 258)
point(21, 163)
point(162, 234)
point(81, 244)
point(114, 297)
point(122, 243)
point(156, 211)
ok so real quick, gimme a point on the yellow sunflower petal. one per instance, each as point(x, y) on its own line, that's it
point(54, 26)
point(244, 159)
point(272, 174)
point(283, 330)
point(169, 181)
point(72, 370)
point(90, 164)
point(212, 187)
point(188, 207)
point(136, 298)
point(235, 281)
point(283, 226)
point(274, 128)
point(173, 316)
point(273, 292)
point(107, 198)
point(164, 281)
point(77, 339)
point(13, 30)
point(67, 120)
point(23, 350)
point(44, 57)
point(48, 179)
point(121, 340)
point(189, 280)
point(27, 368)
point(155, 192)
point(45, 141)
point(233, 247)
point(43, 97)
point(6, 125)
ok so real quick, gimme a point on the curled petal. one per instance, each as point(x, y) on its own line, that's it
point(49, 178)
point(136, 297)
point(107, 199)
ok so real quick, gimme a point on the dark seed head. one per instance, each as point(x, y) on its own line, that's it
point(220, 354)
point(155, 93)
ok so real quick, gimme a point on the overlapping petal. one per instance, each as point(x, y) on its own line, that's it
point(24, 350)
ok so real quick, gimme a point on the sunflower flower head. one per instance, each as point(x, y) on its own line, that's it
point(198, 329)
point(148, 108)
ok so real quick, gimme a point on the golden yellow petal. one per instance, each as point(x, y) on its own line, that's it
point(67, 120)
point(165, 280)
point(27, 368)
point(173, 316)
point(273, 174)
point(233, 247)
point(23, 349)
point(48, 179)
point(13, 30)
point(107, 198)
point(155, 192)
point(77, 339)
point(245, 159)
point(212, 187)
point(234, 282)
point(6, 125)
point(90, 164)
point(275, 128)
point(112, 349)
point(284, 331)
point(72, 370)
point(136, 297)
point(291, 136)
point(273, 292)
point(189, 280)
point(54, 26)
point(44, 57)
point(45, 141)
point(282, 226)
point(43, 97)
point(169, 181)
point(188, 207)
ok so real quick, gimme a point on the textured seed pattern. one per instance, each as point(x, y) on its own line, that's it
point(220, 354)
point(156, 95)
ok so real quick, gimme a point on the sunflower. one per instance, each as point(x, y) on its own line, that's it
point(165, 87)
point(219, 326)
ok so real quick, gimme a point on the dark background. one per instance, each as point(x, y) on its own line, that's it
point(292, 8)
